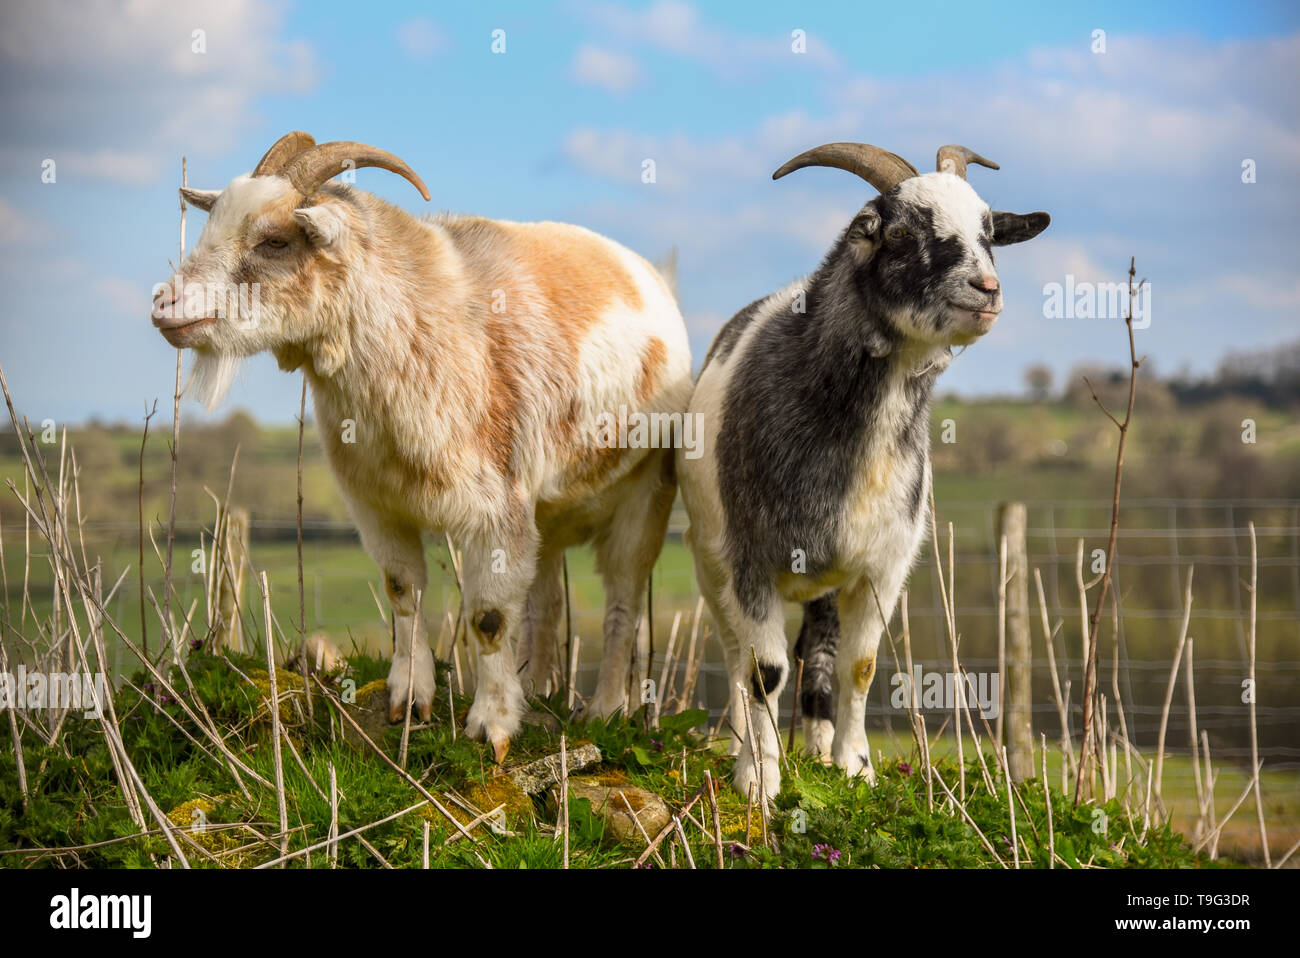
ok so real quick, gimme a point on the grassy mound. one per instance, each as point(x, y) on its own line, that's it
point(75, 813)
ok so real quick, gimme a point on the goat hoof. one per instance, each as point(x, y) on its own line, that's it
point(421, 684)
point(489, 723)
point(420, 712)
point(858, 765)
point(597, 709)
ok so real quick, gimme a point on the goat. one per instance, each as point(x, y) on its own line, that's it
point(815, 448)
point(461, 370)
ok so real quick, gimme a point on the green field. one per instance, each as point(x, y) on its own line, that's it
point(1185, 469)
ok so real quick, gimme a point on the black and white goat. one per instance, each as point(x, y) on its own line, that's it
point(815, 407)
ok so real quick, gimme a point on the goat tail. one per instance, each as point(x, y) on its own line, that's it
point(819, 637)
point(667, 269)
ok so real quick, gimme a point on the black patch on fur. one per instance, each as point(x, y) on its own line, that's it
point(819, 637)
point(910, 272)
point(488, 622)
point(771, 675)
point(918, 488)
point(730, 333)
point(805, 398)
point(1011, 228)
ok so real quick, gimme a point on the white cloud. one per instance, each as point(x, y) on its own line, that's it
point(703, 324)
point(1136, 130)
point(119, 166)
point(1177, 107)
point(810, 223)
point(676, 27)
point(18, 229)
point(615, 72)
point(421, 38)
point(1173, 109)
point(1263, 291)
point(123, 294)
point(1049, 259)
point(117, 90)
point(681, 162)
point(1135, 153)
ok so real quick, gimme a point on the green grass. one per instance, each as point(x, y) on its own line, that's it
point(74, 799)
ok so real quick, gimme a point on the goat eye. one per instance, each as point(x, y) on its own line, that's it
point(898, 232)
point(273, 242)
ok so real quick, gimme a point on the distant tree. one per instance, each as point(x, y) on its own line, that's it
point(1038, 378)
point(240, 429)
point(1111, 384)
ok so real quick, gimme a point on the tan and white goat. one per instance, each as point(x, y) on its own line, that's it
point(461, 369)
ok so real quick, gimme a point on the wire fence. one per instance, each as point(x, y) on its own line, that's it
point(1159, 542)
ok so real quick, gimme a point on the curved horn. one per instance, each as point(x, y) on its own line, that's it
point(312, 167)
point(953, 159)
point(880, 168)
point(282, 151)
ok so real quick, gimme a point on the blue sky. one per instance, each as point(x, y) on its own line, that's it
point(1137, 150)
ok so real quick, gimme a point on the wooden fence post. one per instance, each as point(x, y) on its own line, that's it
point(1019, 725)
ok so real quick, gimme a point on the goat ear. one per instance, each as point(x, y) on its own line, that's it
point(203, 199)
point(324, 224)
point(865, 227)
point(1011, 228)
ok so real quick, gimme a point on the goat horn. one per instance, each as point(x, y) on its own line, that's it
point(282, 151)
point(312, 167)
point(953, 159)
point(880, 168)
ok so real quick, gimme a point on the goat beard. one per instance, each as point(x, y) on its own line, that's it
point(211, 376)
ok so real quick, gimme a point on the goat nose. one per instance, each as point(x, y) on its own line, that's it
point(986, 284)
point(165, 300)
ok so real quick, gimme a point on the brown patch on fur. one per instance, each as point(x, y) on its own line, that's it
point(653, 360)
point(591, 466)
point(515, 337)
point(556, 282)
point(576, 272)
point(562, 283)
point(579, 277)
point(289, 356)
point(506, 362)
point(294, 279)
point(864, 670)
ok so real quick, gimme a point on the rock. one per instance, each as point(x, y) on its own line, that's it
point(536, 777)
point(606, 800)
point(285, 682)
point(318, 654)
point(370, 710)
point(192, 818)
